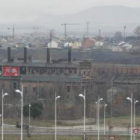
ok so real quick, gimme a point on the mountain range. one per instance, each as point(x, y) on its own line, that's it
point(106, 18)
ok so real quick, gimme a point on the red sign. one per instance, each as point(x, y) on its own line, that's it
point(112, 138)
point(136, 131)
point(10, 71)
point(14, 71)
point(6, 71)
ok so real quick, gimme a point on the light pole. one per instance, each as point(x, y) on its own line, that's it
point(112, 96)
point(131, 100)
point(135, 101)
point(104, 117)
point(21, 93)
point(3, 94)
point(84, 97)
point(98, 104)
point(29, 115)
point(56, 97)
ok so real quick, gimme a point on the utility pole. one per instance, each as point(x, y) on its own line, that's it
point(124, 33)
point(87, 28)
point(13, 29)
point(65, 30)
point(99, 36)
point(99, 33)
point(51, 37)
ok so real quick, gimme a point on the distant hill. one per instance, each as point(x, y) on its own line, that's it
point(107, 18)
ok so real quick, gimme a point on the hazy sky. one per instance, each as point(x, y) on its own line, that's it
point(57, 6)
point(10, 10)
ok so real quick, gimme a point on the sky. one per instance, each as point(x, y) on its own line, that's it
point(29, 10)
point(28, 7)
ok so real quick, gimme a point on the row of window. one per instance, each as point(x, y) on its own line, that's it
point(117, 70)
point(51, 71)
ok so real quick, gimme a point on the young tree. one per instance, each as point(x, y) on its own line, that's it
point(36, 110)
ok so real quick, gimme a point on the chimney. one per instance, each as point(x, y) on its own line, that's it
point(25, 55)
point(48, 55)
point(9, 54)
point(69, 55)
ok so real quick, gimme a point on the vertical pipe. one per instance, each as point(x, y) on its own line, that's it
point(8, 54)
point(25, 55)
point(48, 55)
point(69, 55)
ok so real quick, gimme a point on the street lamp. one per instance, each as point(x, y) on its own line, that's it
point(3, 95)
point(84, 97)
point(29, 116)
point(56, 97)
point(104, 117)
point(131, 100)
point(135, 101)
point(21, 93)
point(98, 114)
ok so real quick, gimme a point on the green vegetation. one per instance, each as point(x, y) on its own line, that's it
point(115, 121)
point(36, 110)
point(43, 137)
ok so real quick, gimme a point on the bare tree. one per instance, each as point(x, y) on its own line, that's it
point(137, 30)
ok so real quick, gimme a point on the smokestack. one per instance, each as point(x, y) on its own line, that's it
point(69, 55)
point(25, 55)
point(9, 54)
point(48, 55)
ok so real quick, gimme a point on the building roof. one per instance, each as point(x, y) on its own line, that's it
point(41, 64)
point(53, 78)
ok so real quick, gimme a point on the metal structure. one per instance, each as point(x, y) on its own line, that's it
point(56, 97)
point(65, 29)
point(3, 95)
point(21, 93)
point(131, 100)
point(14, 28)
point(84, 98)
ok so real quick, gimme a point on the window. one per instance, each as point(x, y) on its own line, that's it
point(15, 85)
point(34, 89)
point(25, 89)
point(68, 88)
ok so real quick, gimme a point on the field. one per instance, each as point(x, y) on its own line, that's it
point(42, 137)
point(116, 122)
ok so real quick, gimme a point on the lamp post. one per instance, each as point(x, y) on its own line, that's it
point(3, 95)
point(21, 93)
point(98, 115)
point(29, 115)
point(131, 100)
point(84, 97)
point(135, 101)
point(56, 97)
point(104, 117)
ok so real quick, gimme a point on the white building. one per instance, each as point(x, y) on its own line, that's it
point(53, 44)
